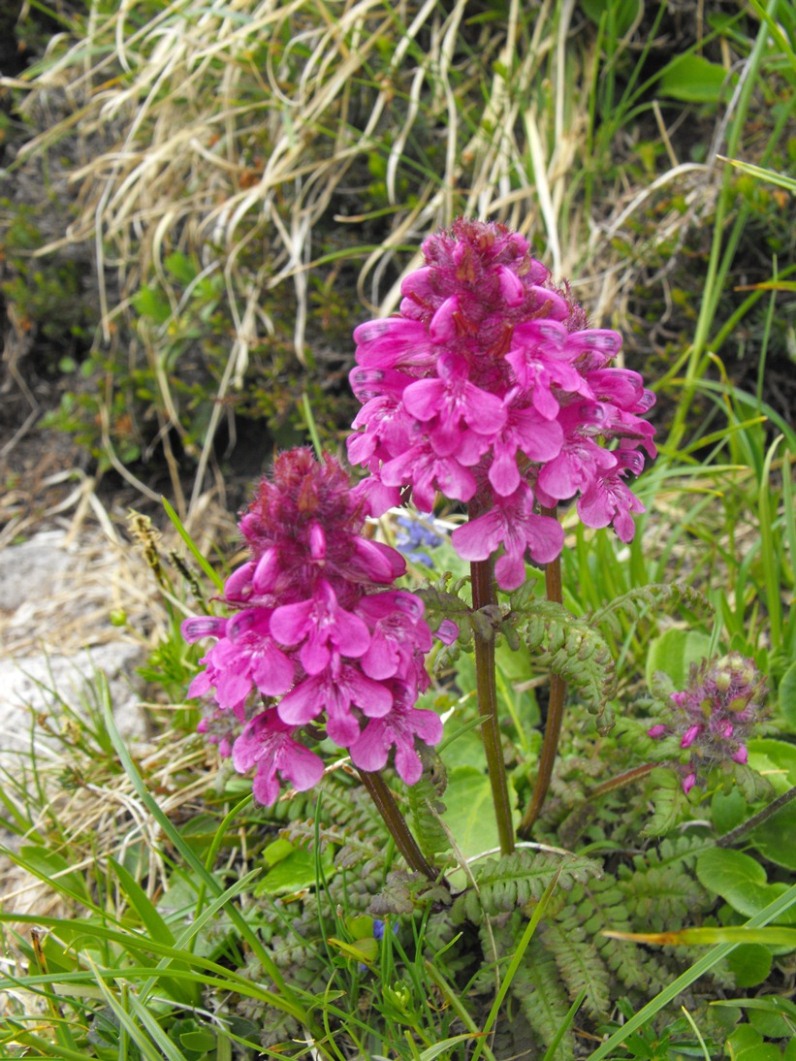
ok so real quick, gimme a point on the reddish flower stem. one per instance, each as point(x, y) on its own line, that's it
point(484, 593)
point(396, 823)
point(555, 710)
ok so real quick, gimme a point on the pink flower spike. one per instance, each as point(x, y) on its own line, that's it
point(741, 756)
point(688, 782)
point(657, 732)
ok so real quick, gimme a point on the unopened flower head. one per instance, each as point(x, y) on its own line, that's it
point(490, 388)
point(715, 714)
point(319, 640)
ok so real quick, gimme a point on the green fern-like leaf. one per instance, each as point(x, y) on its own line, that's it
point(426, 807)
point(579, 962)
point(543, 1000)
point(514, 880)
point(570, 647)
point(656, 597)
point(661, 889)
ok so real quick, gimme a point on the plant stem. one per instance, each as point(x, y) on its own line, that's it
point(484, 594)
point(396, 823)
point(763, 815)
point(555, 710)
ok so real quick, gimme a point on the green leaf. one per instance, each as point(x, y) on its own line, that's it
point(787, 695)
point(55, 870)
point(619, 14)
point(669, 802)
point(180, 266)
point(770, 176)
point(150, 918)
point(694, 79)
point(776, 760)
point(151, 302)
point(674, 652)
point(774, 838)
point(469, 813)
point(741, 881)
point(750, 964)
point(293, 872)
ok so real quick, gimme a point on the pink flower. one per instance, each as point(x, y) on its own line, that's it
point(399, 728)
point(316, 636)
point(267, 743)
point(489, 385)
point(513, 524)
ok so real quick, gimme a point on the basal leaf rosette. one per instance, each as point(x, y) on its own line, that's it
point(319, 643)
point(489, 387)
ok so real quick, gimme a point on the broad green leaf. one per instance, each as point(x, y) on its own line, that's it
point(750, 964)
point(674, 652)
point(774, 838)
point(293, 872)
point(180, 266)
point(776, 760)
point(746, 1044)
point(469, 812)
point(694, 79)
point(740, 880)
point(149, 301)
point(364, 950)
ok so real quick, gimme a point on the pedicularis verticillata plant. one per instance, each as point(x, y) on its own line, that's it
point(489, 388)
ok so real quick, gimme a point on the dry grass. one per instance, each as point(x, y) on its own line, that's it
point(244, 135)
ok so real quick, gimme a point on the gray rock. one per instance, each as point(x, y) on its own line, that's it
point(35, 568)
point(37, 693)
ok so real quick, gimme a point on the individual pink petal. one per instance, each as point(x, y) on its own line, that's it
point(688, 782)
point(290, 622)
point(691, 735)
point(443, 324)
point(199, 627)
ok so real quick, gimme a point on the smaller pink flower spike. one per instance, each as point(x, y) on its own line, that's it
point(715, 713)
point(317, 637)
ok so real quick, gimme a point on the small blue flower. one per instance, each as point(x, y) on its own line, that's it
point(417, 535)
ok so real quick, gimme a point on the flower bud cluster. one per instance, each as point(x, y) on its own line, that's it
point(716, 713)
point(319, 642)
point(489, 387)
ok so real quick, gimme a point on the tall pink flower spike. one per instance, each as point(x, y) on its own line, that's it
point(320, 643)
point(489, 388)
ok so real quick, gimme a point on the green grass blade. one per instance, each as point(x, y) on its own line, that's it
point(192, 547)
point(769, 913)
